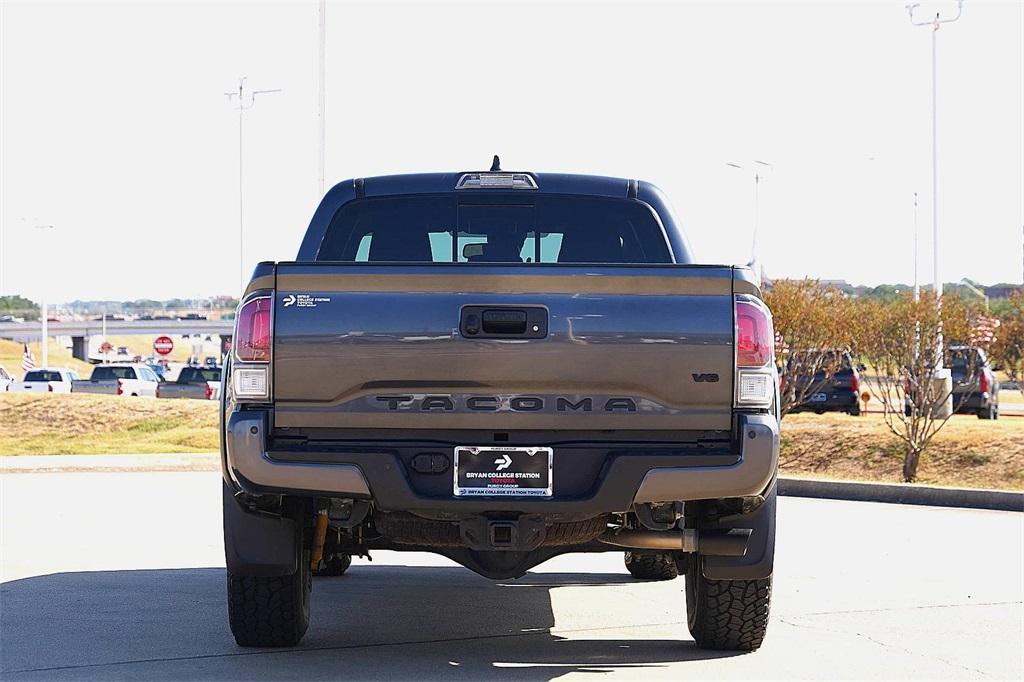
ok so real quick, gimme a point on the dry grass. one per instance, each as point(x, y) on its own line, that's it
point(88, 424)
point(967, 452)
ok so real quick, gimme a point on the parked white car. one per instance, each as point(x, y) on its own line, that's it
point(5, 378)
point(120, 379)
point(45, 380)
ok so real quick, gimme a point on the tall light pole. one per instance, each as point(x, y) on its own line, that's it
point(321, 97)
point(759, 168)
point(935, 22)
point(243, 94)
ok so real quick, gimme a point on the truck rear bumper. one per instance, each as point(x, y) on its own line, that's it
point(381, 476)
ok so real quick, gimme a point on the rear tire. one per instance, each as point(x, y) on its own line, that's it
point(726, 615)
point(987, 413)
point(271, 610)
point(648, 566)
point(855, 411)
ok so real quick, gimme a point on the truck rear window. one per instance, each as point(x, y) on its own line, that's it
point(495, 229)
point(42, 375)
point(198, 375)
point(111, 373)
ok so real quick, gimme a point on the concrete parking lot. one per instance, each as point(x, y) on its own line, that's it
point(120, 575)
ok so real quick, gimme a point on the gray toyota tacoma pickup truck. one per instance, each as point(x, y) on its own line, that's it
point(500, 367)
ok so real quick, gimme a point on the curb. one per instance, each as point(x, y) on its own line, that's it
point(903, 493)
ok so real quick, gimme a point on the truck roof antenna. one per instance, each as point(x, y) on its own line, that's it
point(496, 164)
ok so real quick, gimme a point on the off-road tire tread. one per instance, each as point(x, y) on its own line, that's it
point(732, 614)
point(267, 611)
point(647, 566)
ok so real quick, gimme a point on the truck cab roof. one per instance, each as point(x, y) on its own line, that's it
point(509, 183)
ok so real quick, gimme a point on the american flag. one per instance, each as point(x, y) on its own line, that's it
point(28, 361)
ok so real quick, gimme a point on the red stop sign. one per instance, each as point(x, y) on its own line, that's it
point(163, 345)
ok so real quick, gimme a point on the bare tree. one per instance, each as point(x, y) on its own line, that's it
point(811, 333)
point(901, 340)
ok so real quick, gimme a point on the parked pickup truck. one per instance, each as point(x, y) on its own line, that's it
point(500, 368)
point(48, 380)
point(202, 383)
point(119, 379)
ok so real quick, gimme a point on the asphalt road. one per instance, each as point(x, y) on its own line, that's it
point(119, 576)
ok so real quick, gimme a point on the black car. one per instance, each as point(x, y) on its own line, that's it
point(840, 393)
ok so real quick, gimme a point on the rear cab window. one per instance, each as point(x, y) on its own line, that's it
point(42, 376)
point(495, 229)
point(111, 373)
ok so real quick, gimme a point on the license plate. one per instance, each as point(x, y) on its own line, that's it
point(819, 398)
point(502, 471)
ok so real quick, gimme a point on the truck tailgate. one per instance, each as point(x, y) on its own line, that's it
point(620, 347)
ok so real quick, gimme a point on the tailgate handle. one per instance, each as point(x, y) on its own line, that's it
point(504, 321)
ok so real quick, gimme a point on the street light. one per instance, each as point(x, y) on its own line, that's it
point(759, 168)
point(941, 373)
point(242, 94)
point(934, 23)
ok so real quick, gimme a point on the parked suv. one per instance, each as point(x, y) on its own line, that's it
point(839, 392)
point(500, 368)
point(975, 387)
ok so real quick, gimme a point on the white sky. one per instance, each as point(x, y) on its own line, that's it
point(115, 129)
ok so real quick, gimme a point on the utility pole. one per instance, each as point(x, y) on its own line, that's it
point(322, 98)
point(243, 94)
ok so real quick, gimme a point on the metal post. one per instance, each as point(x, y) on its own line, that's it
point(243, 106)
point(935, 169)
point(241, 202)
point(46, 333)
point(44, 342)
point(917, 287)
point(322, 98)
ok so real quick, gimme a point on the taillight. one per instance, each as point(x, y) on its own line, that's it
point(252, 331)
point(209, 391)
point(755, 348)
point(120, 387)
point(855, 382)
point(157, 394)
point(49, 387)
point(754, 339)
point(984, 383)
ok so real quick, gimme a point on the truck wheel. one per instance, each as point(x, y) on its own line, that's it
point(986, 413)
point(648, 566)
point(334, 565)
point(270, 610)
point(855, 411)
point(726, 615)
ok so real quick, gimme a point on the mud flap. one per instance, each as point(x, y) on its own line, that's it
point(759, 560)
point(257, 544)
